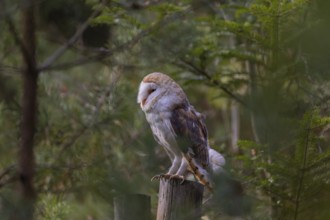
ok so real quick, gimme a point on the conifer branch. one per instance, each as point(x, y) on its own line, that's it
point(195, 69)
point(303, 168)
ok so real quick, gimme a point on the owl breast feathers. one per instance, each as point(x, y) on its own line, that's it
point(179, 128)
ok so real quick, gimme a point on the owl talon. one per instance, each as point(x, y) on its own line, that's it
point(180, 177)
point(158, 177)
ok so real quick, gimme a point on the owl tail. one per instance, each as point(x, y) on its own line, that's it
point(217, 161)
point(201, 174)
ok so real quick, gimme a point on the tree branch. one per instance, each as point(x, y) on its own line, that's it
point(13, 31)
point(215, 82)
point(106, 53)
point(61, 50)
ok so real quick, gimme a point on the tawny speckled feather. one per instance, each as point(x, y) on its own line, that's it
point(193, 134)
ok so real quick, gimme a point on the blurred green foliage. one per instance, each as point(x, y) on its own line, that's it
point(271, 57)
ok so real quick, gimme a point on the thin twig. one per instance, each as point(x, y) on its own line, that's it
point(6, 171)
point(68, 144)
point(219, 11)
point(9, 180)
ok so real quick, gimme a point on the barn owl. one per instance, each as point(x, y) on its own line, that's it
point(179, 128)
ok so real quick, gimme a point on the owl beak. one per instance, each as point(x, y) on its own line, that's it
point(143, 103)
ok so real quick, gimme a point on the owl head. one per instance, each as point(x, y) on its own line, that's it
point(159, 92)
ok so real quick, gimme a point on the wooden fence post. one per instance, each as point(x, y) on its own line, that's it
point(132, 206)
point(178, 201)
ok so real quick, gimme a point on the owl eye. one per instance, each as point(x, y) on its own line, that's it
point(151, 91)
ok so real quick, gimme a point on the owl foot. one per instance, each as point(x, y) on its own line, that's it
point(180, 177)
point(158, 177)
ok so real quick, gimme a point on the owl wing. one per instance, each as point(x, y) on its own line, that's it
point(191, 133)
